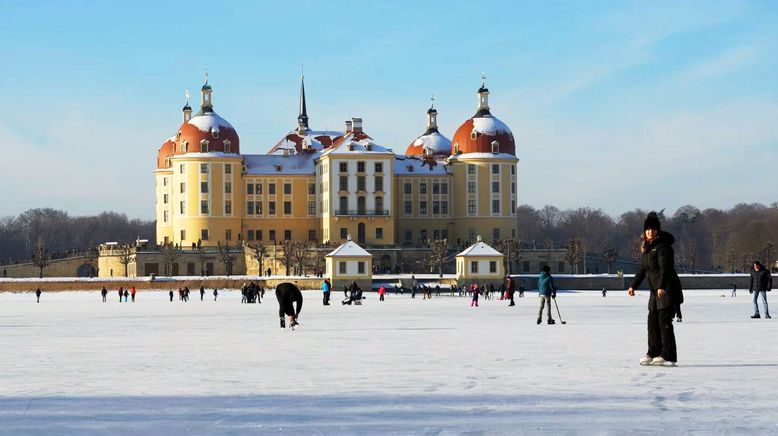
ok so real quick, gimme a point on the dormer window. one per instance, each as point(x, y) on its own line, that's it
point(178, 135)
point(204, 146)
point(214, 134)
point(167, 161)
point(368, 146)
point(227, 146)
point(351, 147)
point(409, 168)
point(495, 147)
point(456, 148)
point(185, 147)
point(473, 135)
point(278, 167)
point(427, 152)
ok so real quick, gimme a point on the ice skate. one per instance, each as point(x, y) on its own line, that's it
point(646, 360)
point(755, 316)
point(551, 321)
point(660, 361)
point(539, 321)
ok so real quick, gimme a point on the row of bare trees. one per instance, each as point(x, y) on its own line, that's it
point(709, 239)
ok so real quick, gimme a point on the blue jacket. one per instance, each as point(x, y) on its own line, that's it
point(325, 287)
point(546, 284)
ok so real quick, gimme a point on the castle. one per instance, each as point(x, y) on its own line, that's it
point(324, 186)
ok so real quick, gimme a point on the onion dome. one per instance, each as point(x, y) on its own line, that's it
point(205, 132)
point(431, 143)
point(484, 133)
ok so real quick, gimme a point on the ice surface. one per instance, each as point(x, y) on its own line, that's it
point(73, 364)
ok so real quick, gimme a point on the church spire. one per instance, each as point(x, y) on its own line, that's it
point(302, 118)
point(432, 117)
point(206, 104)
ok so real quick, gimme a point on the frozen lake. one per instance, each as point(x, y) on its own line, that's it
point(73, 364)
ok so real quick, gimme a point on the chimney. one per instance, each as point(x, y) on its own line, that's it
point(357, 124)
point(348, 126)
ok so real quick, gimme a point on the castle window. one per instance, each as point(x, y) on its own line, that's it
point(250, 189)
point(287, 208)
point(203, 168)
point(379, 167)
point(228, 235)
point(167, 161)
point(204, 146)
point(227, 168)
point(271, 207)
point(227, 146)
point(214, 134)
point(287, 188)
point(228, 207)
point(495, 147)
point(185, 146)
point(343, 167)
point(456, 148)
point(204, 234)
point(423, 188)
point(473, 134)
point(495, 169)
point(204, 207)
point(271, 188)
point(470, 169)
point(360, 167)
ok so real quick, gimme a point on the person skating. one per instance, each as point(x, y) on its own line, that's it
point(126, 295)
point(121, 293)
point(215, 294)
point(475, 291)
point(546, 293)
point(186, 293)
point(104, 293)
point(658, 263)
point(381, 292)
point(38, 295)
point(734, 290)
point(511, 285)
point(521, 291)
point(761, 282)
point(171, 295)
point(287, 294)
point(326, 288)
point(604, 292)
point(132, 293)
point(202, 292)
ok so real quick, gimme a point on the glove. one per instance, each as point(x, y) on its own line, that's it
point(750, 291)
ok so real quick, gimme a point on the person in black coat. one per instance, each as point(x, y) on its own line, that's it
point(38, 294)
point(288, 294)
point(104, 293)
point(657, 262)
point(761, 282)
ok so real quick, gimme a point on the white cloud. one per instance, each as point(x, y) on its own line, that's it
point(726, 62)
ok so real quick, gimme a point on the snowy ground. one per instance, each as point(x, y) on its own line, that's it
point(73, 364)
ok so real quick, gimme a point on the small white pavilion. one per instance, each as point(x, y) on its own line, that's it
point(349, 263)
point(480, 263)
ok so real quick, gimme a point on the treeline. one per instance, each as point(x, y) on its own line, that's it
point(709, 240)
point(64, 235)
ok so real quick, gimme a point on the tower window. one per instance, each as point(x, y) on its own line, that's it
point(495, 147)
point(204, 146)
point(214, 134)
point(227, 146)
point(473, 135)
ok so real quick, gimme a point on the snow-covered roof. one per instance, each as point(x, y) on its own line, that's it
point(480, 248)
point(404, 165)
point(210, 121)
point(350, 146)
point(482, 156)
point(436, 142)
point(489, 125)
point(349, 249)
point(302, 163)
point(312, 138)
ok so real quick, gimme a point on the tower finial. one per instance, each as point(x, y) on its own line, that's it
point(186, 94)
point(483, 79)
point(302, 71)
point(206, 76)
point(432, 101)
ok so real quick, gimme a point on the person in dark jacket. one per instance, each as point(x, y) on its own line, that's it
point(38, 294)
point(326, 288)
point(761, 283)
point(215, 294)
point(202, 292)
point(104, 293)
point(171, 295)
point(546, 292)
point(121, 293)
point(287, 294)
point(658, 263)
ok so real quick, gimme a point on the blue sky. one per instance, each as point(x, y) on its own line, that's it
point(614, 105)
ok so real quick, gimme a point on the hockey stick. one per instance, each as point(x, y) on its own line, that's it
point(557, 312)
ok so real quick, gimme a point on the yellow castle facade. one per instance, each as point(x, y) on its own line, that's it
point(324, 186)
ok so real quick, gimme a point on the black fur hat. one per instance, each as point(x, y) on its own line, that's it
point(652, 222)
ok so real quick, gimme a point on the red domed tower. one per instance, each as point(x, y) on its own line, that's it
point(484, 162)
point(431, 143)
point(198, 177)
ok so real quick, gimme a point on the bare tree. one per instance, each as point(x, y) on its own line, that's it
point(511, 248)
point(226, 256)
point(202, 256)
point(91, 256)
point(608, 255)
point(259, 252)
point(40, 257)
point(170, 254)
point(299, 254)
point(126, 257)
point(573, 255)
point(438, 248)
point(287, 258)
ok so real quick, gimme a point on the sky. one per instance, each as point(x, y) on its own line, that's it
point(614, 105)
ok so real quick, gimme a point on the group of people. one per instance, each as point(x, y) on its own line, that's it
point(123, 294)
point(252, 293)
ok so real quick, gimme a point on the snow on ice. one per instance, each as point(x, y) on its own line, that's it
point(73, 364)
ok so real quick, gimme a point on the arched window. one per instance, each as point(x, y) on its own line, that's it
point(495, 147)
point(361, 206)
point(227, 146)
point(204, 146)
point(343, 205)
